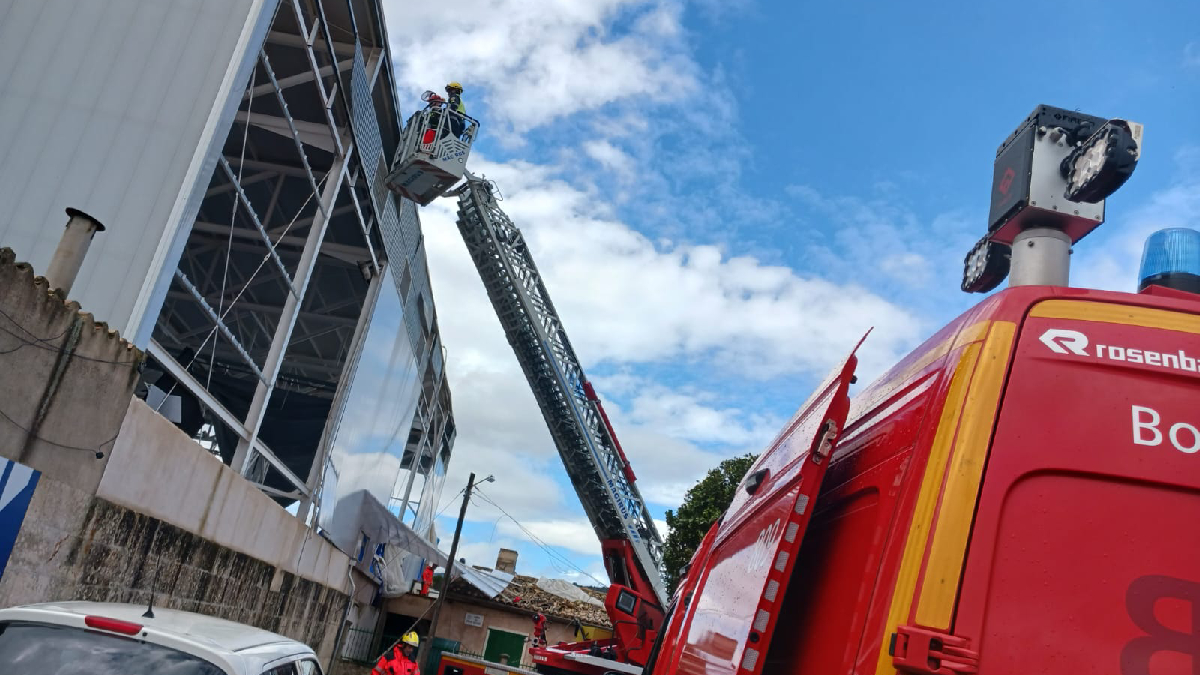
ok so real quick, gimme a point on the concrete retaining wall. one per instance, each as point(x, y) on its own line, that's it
point(159, 471)
point(116, 554)
point(154, 510)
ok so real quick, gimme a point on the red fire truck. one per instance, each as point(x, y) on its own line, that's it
point(1017, 495)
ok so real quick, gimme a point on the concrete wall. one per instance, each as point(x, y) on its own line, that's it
point(155, 510)
point(65, 380)
point(452, 624)
point(157, 470)
point(76, 547)
point(169, 516)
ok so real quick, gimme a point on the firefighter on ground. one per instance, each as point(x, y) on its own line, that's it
point(402, 659)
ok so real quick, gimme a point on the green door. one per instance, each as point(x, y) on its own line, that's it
point(502, 642)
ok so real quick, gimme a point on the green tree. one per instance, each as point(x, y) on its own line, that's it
point(703, 504)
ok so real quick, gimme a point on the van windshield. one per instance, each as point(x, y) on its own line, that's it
point(38, 649)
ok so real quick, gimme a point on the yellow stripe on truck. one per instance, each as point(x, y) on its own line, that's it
point(931, 486)
point(1120, 314)
point(939, 588)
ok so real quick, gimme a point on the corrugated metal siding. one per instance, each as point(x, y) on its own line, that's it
point(102, 108)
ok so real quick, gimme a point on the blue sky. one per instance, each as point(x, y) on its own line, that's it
point(724, 195)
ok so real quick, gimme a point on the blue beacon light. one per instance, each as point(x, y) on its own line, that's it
point(1171, 258)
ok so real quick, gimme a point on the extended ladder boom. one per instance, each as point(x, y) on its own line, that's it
point(588, 448)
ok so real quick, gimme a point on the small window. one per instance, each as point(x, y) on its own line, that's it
point(308, 667)
point(39, 649)
point(626, 601)
point(288, 668)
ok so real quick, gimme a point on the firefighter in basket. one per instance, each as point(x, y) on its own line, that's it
point(401, 659)
point(457, 123)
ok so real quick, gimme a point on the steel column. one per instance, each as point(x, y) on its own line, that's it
point(190, 383)
point(266, 62)
point(245, 200)
point(291, 310)
point(220, 323)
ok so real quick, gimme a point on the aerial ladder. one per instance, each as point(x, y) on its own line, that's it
point(595, 462)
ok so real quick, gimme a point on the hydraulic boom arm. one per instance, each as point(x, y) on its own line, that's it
point(589, 450)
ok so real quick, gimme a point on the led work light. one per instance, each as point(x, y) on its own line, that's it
point(1050, 179)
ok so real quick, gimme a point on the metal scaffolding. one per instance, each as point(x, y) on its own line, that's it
point(279, 277)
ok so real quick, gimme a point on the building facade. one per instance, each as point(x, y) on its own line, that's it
point(235, 152)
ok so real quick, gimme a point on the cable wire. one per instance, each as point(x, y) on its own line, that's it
point(45, 343)
point(244, 288)
point(233, 219)
point(98, 450)
point(543, 545)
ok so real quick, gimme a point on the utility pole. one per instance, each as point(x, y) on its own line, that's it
point(423, 652)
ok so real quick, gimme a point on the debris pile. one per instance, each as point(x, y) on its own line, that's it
point(524, 594)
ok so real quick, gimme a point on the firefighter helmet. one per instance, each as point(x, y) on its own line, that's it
point(454, 85)
point(410, 639)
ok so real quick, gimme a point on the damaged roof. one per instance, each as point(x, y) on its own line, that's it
point(523, 594)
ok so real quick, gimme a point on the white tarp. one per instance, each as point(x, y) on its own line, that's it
point(566, 590)
point(359, 513)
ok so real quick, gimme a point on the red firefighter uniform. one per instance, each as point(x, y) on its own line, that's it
point(426, 579)
point(539, 628)
point(399, 660)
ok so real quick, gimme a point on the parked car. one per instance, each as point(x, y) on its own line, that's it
point(89, 638)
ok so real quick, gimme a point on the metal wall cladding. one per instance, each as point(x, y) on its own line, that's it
point(118, 108)
point(410, 226)
point(389, 227)
point(366, 125)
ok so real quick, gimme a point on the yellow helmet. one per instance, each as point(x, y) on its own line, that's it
point(454, 85)
point(410, 638)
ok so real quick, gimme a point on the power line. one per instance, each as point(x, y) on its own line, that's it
point(561, 562)
point(543, 545)
point(262, 263)
point(448, 503)
point(46, 343)
point(233, 219)
point(98, 450)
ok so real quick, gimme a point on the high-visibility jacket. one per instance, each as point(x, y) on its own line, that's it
point(396, 663)
point(455, 103)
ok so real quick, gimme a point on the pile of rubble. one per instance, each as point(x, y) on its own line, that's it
point(524, 594)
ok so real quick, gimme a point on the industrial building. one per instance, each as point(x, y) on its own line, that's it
point(276, 292)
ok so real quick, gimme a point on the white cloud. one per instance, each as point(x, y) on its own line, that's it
point(540, 61)
point(1191, 55)
point(627, 301)
point(573, 534)
point(1112, 262)
point(611, 158)
point(663, 530)
point(684, 416)
point(911, 269)
point(607, 81)
point(481, 553)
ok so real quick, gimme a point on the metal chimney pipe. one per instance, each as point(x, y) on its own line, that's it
point(72, 249)
point(1041, 256)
